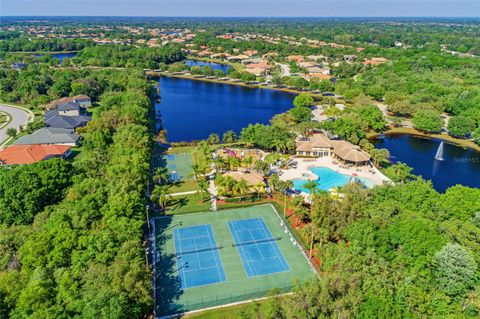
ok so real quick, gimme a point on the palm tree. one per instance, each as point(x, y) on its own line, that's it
point(402, 170)
point(241, 188)
point(203, 184)
point(196, 170)
point(379, 156)
point(161, 175)
point(161, 193)
point(311, 186)
point(248, 161)
point(225, 184)
point(220, 163)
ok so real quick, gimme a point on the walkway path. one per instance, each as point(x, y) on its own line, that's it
point(18, 117)
point(184, 193)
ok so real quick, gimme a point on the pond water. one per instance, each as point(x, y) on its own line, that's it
point(328, 178)
point(62, 56)
point(459, 165)
point(214, 66)
point(191, 110)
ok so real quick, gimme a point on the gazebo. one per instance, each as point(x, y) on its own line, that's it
point(350, 153)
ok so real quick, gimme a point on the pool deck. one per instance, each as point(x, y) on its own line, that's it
point(305, 164)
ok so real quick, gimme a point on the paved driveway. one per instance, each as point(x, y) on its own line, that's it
point(19, 117)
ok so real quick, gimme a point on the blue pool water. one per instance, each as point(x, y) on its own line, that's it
point(327, 179)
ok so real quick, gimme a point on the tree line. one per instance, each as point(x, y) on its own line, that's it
point(83, 255)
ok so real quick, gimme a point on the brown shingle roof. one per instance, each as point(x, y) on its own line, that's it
point(349, 152)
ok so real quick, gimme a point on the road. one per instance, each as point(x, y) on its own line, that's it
point(285, 69)
point(18, 117)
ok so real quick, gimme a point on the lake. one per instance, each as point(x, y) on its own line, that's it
point(62, 56)
point(459, 165)
point(191, 110)
point(214, 66)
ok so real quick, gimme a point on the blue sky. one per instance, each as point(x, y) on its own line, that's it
point(245, 8)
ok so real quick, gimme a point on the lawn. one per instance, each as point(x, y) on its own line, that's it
point(241, 283)
point(188, 204)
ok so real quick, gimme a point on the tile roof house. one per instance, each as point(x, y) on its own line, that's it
point(67, 115)
point(29, 154)
point(50, 135)
point(81, 99)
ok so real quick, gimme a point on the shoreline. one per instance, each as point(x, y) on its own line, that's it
point(219, 81)
point(43, 52)
point(464, 143)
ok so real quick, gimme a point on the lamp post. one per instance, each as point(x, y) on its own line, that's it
point(311, 242)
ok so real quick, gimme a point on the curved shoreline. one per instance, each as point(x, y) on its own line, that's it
point(219, 81)
point(464, 143)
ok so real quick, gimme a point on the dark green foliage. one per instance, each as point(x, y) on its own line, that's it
point(26, 190)
point(460, 126)
point(84, 256)
point(129, 56)
point(428, 121)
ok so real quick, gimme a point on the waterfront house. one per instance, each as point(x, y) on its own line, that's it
point(319, 145)
point(29, 154)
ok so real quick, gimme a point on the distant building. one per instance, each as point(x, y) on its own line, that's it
point(374, 61)
point(49, 136)
point(349, 57)
point(29, 154)
point(18, 66)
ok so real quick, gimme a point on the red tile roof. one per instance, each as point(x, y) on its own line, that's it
point(28, 154)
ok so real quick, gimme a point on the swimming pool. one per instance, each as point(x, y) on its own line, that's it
point(328, 178)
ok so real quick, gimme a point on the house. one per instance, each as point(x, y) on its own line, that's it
point(29, 154)
point(83, 100)
point(318, 70)
point(237, 58)
point(18, 66)
point(50, 135)
point(250, 52)
point(317, 145)
point(67, 115)
point(320, 76)
point(349, 57)
point(374, 61)
point(295, 58)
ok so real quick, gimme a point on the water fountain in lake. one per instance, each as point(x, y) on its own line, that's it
point(439, 154)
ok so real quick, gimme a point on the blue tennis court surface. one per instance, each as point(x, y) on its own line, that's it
point(198, 260)
point(257, 248)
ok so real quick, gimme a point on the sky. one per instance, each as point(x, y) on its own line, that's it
point(243, 8)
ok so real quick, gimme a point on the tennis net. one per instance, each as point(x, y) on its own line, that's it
point(194, 251)
point(256, 241)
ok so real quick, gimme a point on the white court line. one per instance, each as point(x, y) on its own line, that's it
point(244, 259)
point(175, 231)
point(214, 256)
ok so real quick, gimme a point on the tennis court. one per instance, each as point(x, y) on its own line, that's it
point(226, 263)
point(198, 260)
point(179, 166)
point(257, 248)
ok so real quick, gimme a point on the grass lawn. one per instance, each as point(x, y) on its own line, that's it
point(184, 186)
point(188, 203)
point(238, 284)
point(181, 149)
point(232, 312)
